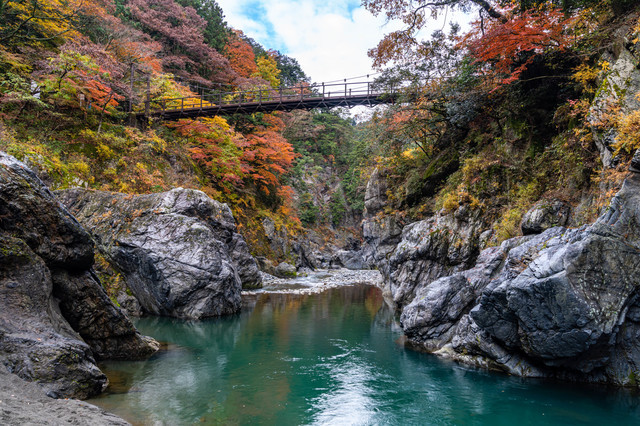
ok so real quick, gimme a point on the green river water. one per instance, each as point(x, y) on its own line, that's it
point(331, 358)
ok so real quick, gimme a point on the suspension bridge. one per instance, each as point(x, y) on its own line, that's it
point(269, 100)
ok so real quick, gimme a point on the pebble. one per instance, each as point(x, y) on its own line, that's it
point(317, 281)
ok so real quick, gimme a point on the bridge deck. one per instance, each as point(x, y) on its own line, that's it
point(248, 102)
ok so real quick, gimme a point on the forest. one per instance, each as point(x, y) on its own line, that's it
point(494, 118)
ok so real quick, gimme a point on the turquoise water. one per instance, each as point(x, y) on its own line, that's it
point(331, 358)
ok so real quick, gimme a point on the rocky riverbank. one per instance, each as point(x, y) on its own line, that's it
point(562, 303)
point(57, 321)
point(178, 252)
point(317, 281)
point(55, 318)
point(24, 403)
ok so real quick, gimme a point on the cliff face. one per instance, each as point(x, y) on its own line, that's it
point(55, 318)
point(562, 304)
point(618, 89)
point(178, 251)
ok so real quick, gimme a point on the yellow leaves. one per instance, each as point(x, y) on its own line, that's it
point(41, 21)
point(586, 75)
point(410, 153)
point(450, 202)
point(636, 32)
point(268, 70)
point(628, 139)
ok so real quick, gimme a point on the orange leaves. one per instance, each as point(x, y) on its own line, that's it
point(231, 159)
point(268, 153)
point(508, 47)
point(396, 46)
point(241, 56)
point(215, 148)
point(77, 81)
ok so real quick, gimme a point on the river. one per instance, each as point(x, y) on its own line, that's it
point(336, 358)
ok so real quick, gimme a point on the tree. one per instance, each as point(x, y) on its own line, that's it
point(267, 153)
point(216, 148)
point(179, 29)
point(268, 69)
point(74, 80)
point(402, 45)
point(47, 22)
point(291, 72)
point(240, 55)
point(509, 46)
point(216, 32)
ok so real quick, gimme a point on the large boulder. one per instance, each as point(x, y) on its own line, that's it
point(45, 260)
point(430, 249)
point(178, 251)
point(543, 215)
point(560, 304)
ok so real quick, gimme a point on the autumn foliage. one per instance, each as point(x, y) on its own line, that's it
point(232, 160)
point(241, 56)
point(180, 31)
point(508, 46)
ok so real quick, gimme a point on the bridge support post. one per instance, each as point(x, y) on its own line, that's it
point(132, 117)
point(147, 104)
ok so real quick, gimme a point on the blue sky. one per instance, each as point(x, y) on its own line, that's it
point(330, 38)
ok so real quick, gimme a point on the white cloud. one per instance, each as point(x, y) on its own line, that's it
point(329, 38)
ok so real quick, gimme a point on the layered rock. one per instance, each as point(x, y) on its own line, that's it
point(381, 233)
point(45, 260)
point(178, 251)
point(430, 249)
point(560, 304)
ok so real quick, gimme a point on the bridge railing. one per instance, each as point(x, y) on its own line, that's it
point(267, 96)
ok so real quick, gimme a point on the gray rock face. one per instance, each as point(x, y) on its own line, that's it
point(635, 162)
point(431, 249)
point(544, 215)
point(109, 334)
point(24, 403)
point(178, 251)
point(49, 300)
point(349, 259)
point(278, 238)
point(36, 343)
point(381, 233)
point(285, 270)
point(618, 88)
point(560, 304)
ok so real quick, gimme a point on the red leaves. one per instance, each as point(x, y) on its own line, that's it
point(231, 159)
point(268, 153)
point(179, 29)
point(508, 47)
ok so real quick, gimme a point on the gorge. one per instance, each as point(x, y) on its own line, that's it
point(466, 253)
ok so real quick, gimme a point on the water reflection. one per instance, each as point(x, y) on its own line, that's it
point(329, 358)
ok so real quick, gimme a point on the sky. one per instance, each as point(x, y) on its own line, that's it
point(329, 38)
